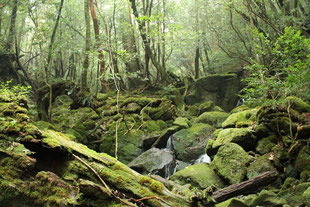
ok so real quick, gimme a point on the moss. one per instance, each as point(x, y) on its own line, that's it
point(182, 121)
point(200, 175)
point(260, 165)
point(298, 104)
point(266, 144)
point(241, 119)
point(233, 202)
point(268, 198)
point(205, 106)
point(230, 162)
point(213, 118)
point(292, 192)
point(303, 159)
point(242, 136)
point(243, 107)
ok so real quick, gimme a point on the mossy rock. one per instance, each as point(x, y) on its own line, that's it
point(200, 175)
point(221, 89)
point(182, 121)
point(231, 162)
point(213, 118)
point(153, 126)
point(268, 198)
point(259, 166)
point(285, 125)
point(303, 159)
point(306, 196)
point(298, 104)
point(161, 142)
point(241, 119)
point(44, 125)
point(243, 107)
point(292, 191)
point(189, 143)
point(242, 136)
point(154, 161)
point(205, 106)
point(233, 202)
point(266, 144)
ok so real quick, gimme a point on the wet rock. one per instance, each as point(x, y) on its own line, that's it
point(189, 143)
point(230, 162)
point(199, 175)
point(154, 161)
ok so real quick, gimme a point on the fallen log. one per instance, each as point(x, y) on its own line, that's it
point(244, 187)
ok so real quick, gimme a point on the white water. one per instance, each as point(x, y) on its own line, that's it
point(169, 146)
point(203, 159)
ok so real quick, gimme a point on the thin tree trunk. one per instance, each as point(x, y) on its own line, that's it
point(197, 55)
point(163, 62)
point(87, 47)
point(147, 47)
point(98, 42)
point(12, 31)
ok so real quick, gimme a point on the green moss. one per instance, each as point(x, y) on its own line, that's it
point(233, 202)
point(182, 121)
point(266, 144)
point(303, 159)
point(260, 165)
point(242, 136)
point(213, 118)
point(241, 119)
point(230, 162)
point(298, 104)
point(200, 175)
point(268, 198)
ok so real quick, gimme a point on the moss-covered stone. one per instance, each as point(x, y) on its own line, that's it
point(221, 89)
point(241, 119)
point(303, 159)
point(243, 107)
point(213, 118)
point(266, 144)
point(182, 121)
point(189, 143)
point(283, 125)
point(233, 202)
point(298, 104)
point(230, 162)
point(205, 106)
point(259, 166)
point(200, 175)
point(242, 136)
point(306, 196)
point(268, 198)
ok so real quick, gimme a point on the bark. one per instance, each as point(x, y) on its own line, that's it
point(197, 55)
point(87, 47)
point(147, 47)
point(244, 187)
point(12, 30)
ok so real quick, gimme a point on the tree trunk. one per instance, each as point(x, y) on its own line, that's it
point(147, 47)
point(197, 55)
point(98, 42)
point(12, 30)
point(87, 47)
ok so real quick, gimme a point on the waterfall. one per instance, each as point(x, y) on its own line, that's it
point(169, 145)
point(203, 159)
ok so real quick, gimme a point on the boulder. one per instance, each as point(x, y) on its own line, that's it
point(231, 162)
point(200, 175)
point(182, 121)
point(221, 89)
point(213, 118)
point(268, 198)
point(266, 144)
point(242, 136)
point(189, 143)
point(241, 119)
point(259, 166)
point(303, 159)
point(154, 161)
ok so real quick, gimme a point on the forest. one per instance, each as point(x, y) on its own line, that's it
point(154, 103)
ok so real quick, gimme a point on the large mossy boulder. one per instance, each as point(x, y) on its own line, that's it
point(241, 136)
point(154, 161)
point(221, 89)
point(200, 175)
point(241, 119)
point(189, 143)
point(233, 202)
point(231, 163)
point(268, 198)
point(213, 118)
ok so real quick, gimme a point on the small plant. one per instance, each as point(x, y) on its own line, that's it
point(8, 92)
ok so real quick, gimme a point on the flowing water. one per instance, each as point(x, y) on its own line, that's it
point(203, 159)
